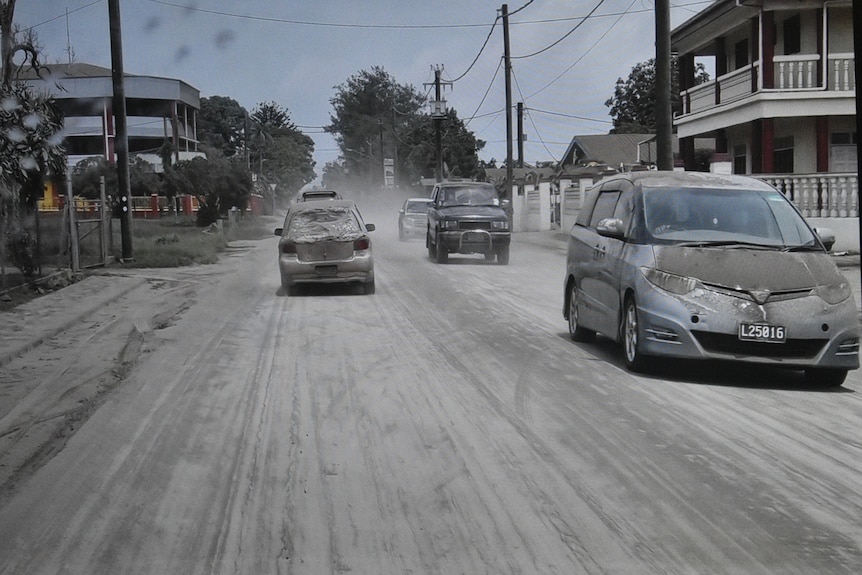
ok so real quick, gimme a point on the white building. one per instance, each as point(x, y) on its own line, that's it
point(157, 109)
point(782, 105)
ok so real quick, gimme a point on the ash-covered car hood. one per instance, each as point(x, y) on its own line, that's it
point(749, 269)
point(473, 212)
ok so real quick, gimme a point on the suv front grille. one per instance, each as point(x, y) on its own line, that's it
point(468, 225)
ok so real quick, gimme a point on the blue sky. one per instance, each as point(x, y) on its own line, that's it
point(567, 54)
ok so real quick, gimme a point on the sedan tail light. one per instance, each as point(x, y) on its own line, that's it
point(361, 244)
point(288, 247)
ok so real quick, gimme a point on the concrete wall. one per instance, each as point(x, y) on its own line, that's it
point(531, 210)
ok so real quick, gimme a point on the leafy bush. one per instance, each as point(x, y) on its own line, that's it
point(21, 251)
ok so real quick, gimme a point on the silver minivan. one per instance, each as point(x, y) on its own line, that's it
point(693, 265)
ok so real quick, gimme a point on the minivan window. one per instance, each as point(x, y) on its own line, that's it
point(605, 206)
point(625, 207)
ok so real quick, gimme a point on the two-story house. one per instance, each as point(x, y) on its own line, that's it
point(782, 106)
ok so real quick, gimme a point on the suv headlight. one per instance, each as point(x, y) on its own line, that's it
point(673, 283)
point(500, 225)
point(449, 224)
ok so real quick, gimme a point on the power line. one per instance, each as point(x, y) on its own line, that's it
point(572, 116)
point(584, 55)
point(482, 49)
point(569, 33)
point(65, 14)
point(313, 23)
point(490, 85)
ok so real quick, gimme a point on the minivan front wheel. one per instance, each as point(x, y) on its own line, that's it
point(576, 331)
point(631, 336)
point(825, 376)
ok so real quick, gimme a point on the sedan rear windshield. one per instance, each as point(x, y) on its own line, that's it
point(703, 216)
point(416, 207)
point(323, 223)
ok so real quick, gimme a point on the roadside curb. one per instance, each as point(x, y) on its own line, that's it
point(31, 324)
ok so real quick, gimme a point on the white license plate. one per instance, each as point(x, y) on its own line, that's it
point(326, 270)
point(762, 332)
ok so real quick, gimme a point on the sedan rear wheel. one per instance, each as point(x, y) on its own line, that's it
point(635, 359)
point(576, 331)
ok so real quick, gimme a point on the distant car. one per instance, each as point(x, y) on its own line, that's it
point(325, 242)
point(708, 266)
point(467, 218)
point(318, 195)
point(413, 217)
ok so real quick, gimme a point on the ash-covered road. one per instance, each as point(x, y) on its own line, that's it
point(445, 424)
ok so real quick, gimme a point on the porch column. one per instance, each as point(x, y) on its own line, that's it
point(762, 146)
point(767, 145)
point(686, 151)
point(767, 49)
point(822, 145)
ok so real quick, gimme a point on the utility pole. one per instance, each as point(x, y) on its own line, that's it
point(857, 47)
point(382, 156)
point(121, 142)
point(507, 65)
point(663, 124)
point(520, 134)
point(438, 114)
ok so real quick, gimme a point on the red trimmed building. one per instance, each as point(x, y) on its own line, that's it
point(782, 105)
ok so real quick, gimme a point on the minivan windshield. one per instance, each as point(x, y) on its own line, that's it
point(721, 216)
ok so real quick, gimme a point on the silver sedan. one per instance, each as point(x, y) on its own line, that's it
point(325, 242)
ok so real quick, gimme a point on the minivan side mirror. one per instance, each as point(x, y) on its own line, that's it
point(826, 236)
point(370, 227)
point(611, 228)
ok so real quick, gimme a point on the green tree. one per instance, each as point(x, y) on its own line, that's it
point(217, 182)
point(30, 148)
point(222, 125)
point(280, 153)
point(632, 107)
point(371, 106)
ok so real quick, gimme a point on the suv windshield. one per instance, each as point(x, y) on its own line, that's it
point(704, 216)
point(468, 196)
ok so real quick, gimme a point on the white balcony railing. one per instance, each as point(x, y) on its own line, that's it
point(797, 73)
point(841, 72)
point(819, 195)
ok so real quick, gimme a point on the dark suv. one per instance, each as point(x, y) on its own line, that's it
point(467, 218)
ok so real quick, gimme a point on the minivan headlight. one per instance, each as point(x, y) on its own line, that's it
point(673, 283)
point(834, 293)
